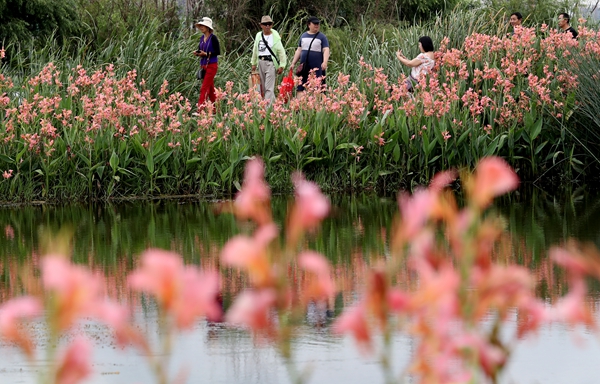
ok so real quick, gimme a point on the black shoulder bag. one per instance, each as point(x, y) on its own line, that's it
point(300, 68)
point(269, 48)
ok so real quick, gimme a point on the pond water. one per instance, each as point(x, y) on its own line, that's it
point(110, 238)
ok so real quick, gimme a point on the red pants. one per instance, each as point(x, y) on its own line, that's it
point(208, 85)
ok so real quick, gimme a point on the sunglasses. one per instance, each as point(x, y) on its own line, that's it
point(267, 24)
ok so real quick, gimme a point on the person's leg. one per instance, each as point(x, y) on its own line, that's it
point(212, 72)
point(300, 87)
point(208, 85)
point(270, 76)
point(409, 84)
point(262, 71)
point(203, 91)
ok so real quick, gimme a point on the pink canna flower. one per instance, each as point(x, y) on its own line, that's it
point(75, 364)
point(502, 288)
point(572, 309)
point(415, 211)
point(117, 318)
point(354, 321)
point(76, 290)
point(250, 253)
point(252, 309)
point(11, 313)
point(398, 301)
point(491, 358)
point(437, 296)
point(310, 209)
point(578, 260)
point(159, 276)
point(493, 177)
point(532, 314)
point(565, 259)
point(442, 179)
point(7, 174)
point(184, 293)
point(253, 201)
point(323, 288)
point(377, 295)
point(199, 298)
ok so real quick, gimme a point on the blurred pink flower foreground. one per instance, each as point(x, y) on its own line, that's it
point(185, 293)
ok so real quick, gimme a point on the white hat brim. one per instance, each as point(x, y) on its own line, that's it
point(207, 26)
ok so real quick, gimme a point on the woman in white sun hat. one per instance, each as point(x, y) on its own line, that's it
point(208, 50)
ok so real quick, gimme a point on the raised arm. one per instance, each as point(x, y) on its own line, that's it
point(410, 63)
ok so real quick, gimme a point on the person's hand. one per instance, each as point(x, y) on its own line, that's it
point(254, 68)
point(324, 66)
point(196, 53)
point(400, 55)
point(279, 70)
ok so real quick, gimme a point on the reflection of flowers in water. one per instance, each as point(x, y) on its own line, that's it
point(9, 232)
point(449, 269)
point(350, 271)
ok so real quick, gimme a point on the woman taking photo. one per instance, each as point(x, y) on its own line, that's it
point(421, 64)
point(208, 50)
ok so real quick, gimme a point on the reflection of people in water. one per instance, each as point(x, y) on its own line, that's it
point(318, 314)
point(215, 327)
point(214, 330)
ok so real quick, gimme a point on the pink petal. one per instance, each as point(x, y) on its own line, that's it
point(11, 313)
point(251, 309)
point(75, 364)
point(239, 251)
point(314, 262)
point(415, 210)
point(310, 208)
point(443, 179)
point(493, 177)
point(20, 308)
point(252, 200)
point(398, 301)
point(199, 298)
point(353, 320)
point(567, 260)
point(158, 275)
point(317, 264)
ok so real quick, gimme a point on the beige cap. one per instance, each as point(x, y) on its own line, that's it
point(266, 19)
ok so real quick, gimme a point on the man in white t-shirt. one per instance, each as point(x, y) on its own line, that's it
point(268, 53)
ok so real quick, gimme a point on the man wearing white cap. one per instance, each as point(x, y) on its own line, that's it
point(268, 53)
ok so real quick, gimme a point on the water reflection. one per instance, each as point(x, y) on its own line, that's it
point(109, 238)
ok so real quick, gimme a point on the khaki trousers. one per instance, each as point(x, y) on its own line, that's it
point(266, 70)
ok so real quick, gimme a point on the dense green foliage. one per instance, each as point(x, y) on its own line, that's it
point(31, 20)
point(100, 132)
point(113, 19)
point(97, 22)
